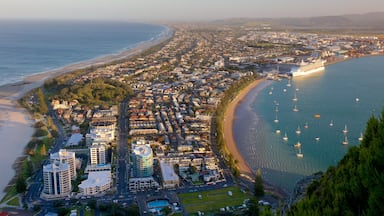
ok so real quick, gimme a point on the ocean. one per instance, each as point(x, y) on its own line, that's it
point(30, 47)
point(346, 94)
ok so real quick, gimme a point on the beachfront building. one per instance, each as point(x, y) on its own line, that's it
point(141, 184)
point(97, 183)
point(97, 153)
point(170, 178)
point(57, 180)
point(64, 156)
point(142, 159)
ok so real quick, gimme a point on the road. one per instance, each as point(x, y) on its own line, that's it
point(122, 152)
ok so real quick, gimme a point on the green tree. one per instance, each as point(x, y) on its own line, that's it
point(259, 186)
point(21, 185)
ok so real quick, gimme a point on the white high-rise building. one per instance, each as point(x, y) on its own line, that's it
point(97, 153)
point(142, 159)
point(64, 156)
point(57, 180)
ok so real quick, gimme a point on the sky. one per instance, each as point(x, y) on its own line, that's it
point(180, 10)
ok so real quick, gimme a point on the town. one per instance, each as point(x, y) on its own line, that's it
point(160, 142)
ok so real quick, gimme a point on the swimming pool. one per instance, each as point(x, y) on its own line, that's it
point(157, 204)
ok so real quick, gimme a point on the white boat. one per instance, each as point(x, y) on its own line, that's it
point(298, 131)
point(345, 129)
point(361, 137)
point(289, 83)
point(306, 125)
point(295, 97)
point(299, 154)
point(284, 90)
point(317, 138)
point(295, 109)
point(285, 137)
point(297, 145)
point(278, 131)
point(276, 119)
point(331, 123)
point(345, 141)
point(357, 99)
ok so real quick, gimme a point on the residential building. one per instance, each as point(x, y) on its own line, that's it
point(57, 180)
point(142, 159)
point(170, 178)
point(97, 153)
point(97, 182)
point(64, 156)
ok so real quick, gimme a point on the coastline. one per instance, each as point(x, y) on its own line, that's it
point(230, 144)
point(16, 124)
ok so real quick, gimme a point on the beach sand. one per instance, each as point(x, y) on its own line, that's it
point(230, 143)
point(15, 122)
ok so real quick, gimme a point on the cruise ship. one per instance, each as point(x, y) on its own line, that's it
point(305, 68)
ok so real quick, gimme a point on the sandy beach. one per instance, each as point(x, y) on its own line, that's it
point(228, 130)
point(16, 123)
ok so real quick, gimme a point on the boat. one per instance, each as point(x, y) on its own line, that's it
point(345, 130)
point(295, 109)
point(307, 68)
point(297, 145)
point(284, 90)
point(357, 99)
point(316, 115)
point(317, 138)
point(289, 83)
point(298, 131)
point(306, 125)
point(345, 141)
point(331, 123)
point(285, 138)
point(276, 119)
point(295, 97)
point(299, 154)
point(360, 137)
point(278, 131)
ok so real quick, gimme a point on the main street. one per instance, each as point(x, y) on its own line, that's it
point(122, 152)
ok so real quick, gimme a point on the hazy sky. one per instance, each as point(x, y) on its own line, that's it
point(152, 10)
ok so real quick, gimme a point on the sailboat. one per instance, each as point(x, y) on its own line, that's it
point(331, 123)
point(297, 145)
point(295, 97)
point(285, 138)
point(345, 130)
point(345, 141)
point(295, 109)
point(361, 137)
point(298, 131)
point(306, 125)
point(276, 119)
point(289, 83)
point(299, 154)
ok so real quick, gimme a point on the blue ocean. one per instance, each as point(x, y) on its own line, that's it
point(332, 108)
point(29, 47)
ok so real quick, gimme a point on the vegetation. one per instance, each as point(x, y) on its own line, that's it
point(98, 91)
point(211, 201)
point(356, 185)
point(259, 187)
point(229, 95)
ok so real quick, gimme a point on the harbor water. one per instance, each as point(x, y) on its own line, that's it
point(332, 108)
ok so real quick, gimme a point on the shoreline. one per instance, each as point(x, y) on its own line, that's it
point(16, 123)
point(229, 118)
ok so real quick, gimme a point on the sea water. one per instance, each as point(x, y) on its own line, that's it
point(29, 47)
point(346, 94)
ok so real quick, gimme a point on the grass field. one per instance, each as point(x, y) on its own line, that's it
point(14, 201)
point(211, 201)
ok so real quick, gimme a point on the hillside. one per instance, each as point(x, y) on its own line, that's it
point(356, 185)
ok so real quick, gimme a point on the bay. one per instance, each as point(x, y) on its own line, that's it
point(346, 94)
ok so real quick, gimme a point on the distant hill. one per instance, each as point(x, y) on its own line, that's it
point(368, 21)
